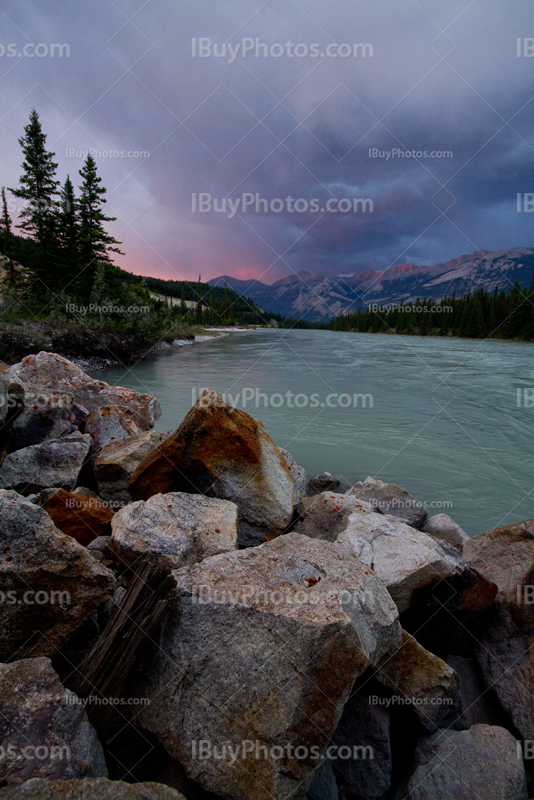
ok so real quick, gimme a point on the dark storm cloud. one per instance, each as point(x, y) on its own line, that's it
point(284, 126)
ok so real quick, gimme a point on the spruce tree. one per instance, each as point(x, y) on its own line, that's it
point(38, 186)
point(6, 242)
point(198, 314)
point(95, 243)
point(68, 225)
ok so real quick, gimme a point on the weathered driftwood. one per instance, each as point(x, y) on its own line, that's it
point(102, 675)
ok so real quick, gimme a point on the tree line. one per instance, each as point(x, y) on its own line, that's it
point(476, 314)
point(62, 258)
point(67, 244)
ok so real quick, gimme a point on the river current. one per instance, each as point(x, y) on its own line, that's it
point(447, 419)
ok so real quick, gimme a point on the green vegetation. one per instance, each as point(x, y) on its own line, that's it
point(59, 271)
point(479, 315)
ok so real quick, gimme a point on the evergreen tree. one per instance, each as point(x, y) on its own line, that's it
point(198, 313)
point(6, 239)
point(68, 225)
point(95, 243)
point(38, 186)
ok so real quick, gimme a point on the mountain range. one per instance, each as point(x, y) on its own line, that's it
point(317, 297)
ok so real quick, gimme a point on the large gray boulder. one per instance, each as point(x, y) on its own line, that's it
point(223, 452)
point(44, 729)
point(110, 424)
point(478, 703)
point(115, 464)
point(260, 650)
point(478, 764)
point(391, 499)
point(504, 638)
point(442, 527)
point(50, 584)
point(324, 785)
point(405, 559)
point(57, 462)
point(47, 372)
point(46, 416)
point(424, 682)
point(364, 731)
point(173, 530)
point(89, 789)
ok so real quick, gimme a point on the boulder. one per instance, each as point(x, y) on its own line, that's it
point(102, 544)
point(425, 682)
point(504, 637)
point(115, 464)
point(406, 559)
point(11, 406)
point(260, 650)
point(57, 462)
point(44, 372)
point(50, 583)
point(325, 482)
point(173, 530)
point(364, 725)
point(326, 515)
point(110, 424)
point(48, 415)
point(44, 728)
point(298, 474)
point(222, 452)
point(442, 527)
point(324, 786)
point(478, 703)
point(478, 764)
point(89, 789)
point(391, 499)
point(83, 490)
point(83, 518)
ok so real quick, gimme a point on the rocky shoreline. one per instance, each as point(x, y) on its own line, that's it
point(188, 616)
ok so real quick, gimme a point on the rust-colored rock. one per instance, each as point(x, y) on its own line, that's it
point(83, 518)
point(424, 681)
point(222, 452)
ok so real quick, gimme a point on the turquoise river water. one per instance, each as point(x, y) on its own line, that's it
point(447, 419)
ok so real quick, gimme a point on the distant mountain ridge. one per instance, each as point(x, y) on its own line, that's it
point(317, 297)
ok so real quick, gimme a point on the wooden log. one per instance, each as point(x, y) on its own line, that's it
point(103, 673)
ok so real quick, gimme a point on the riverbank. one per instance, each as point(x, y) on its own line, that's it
point(93, 349)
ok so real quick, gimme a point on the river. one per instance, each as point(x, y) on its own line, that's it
point(438, 416)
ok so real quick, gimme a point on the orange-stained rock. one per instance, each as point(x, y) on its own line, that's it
point(426, 683)
point(83, 518)
point(222, 452)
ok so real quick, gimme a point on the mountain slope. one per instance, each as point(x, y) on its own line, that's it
point(319, 297)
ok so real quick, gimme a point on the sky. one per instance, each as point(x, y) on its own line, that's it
point(242, 104)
